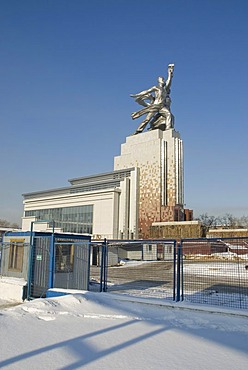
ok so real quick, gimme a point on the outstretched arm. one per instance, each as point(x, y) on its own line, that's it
point(170, 75)
point(144, 92)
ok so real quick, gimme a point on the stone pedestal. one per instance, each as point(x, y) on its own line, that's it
point(158, 156)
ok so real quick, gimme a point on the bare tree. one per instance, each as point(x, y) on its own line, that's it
point(5, 223)
point(207, 222)
point(243, 221)
point(229, 221)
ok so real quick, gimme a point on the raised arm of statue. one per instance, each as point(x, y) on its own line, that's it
point(170, 75)
point(156, 102)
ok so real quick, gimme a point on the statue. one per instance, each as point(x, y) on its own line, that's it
point(156, 101)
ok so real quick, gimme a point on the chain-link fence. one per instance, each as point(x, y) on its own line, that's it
point(215, 272)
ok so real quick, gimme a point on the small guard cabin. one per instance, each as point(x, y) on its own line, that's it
point(47, 260)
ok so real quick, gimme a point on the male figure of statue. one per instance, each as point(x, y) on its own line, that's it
point(156, 101)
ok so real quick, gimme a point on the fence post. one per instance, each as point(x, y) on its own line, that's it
point(105, 265)
point(179, 246)
point(1, 253)
point(30, 267)
point(181, 262)
point(102, 271)
point(239, 273)
point(90, 250)
point(51, 262)
point(174, 269)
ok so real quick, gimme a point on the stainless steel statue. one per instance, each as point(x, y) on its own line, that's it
point(156, 101)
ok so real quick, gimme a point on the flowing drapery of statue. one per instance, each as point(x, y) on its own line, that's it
point(157, 102)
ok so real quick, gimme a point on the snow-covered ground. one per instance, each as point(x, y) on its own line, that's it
point(143, 329)
point(11, 290)
point(217, 269)
point(111, 331)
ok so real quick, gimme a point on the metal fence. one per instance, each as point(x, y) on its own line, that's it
point(60, 263)
point(200, 271)
point(98, 267)
point(143, 267)
point(47, 262)
point(215, 272)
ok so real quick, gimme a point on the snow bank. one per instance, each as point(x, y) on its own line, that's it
point(109, 332)
point(11, 289)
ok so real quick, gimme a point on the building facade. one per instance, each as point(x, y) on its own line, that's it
point(159, 156)
point(102, 205)
point(146, 186)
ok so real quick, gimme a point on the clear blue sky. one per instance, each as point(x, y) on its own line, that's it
point(67, 68)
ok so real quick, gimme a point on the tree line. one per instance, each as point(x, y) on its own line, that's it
point(227, 221)
point(5, 223)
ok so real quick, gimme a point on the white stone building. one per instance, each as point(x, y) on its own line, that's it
point(146, 186)
point(102, 205)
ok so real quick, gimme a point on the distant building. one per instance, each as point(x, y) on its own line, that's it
point(227, 233)
point(146, 186)
point(103, 205)
point(176, 230)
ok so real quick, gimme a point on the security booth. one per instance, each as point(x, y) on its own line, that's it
point(48, 260)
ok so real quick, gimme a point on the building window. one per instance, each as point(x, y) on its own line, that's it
point(149, 248)
point(64, 257)
point(16, 252)
point(77, 219)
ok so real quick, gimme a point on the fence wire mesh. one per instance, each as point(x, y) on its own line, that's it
point(65, 265)
point(95, 278)
point(215, 272)
point(71, 265)
point(39, 267)
point(201, 271)
point(140, 269)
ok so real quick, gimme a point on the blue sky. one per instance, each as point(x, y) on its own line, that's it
point(67, 68)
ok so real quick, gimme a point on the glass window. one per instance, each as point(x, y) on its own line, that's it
point(69, 219)
point(64, 257)
point(16, 252)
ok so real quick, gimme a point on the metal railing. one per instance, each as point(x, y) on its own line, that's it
point(215, 271)
point(199, 271)
point(140, 267)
